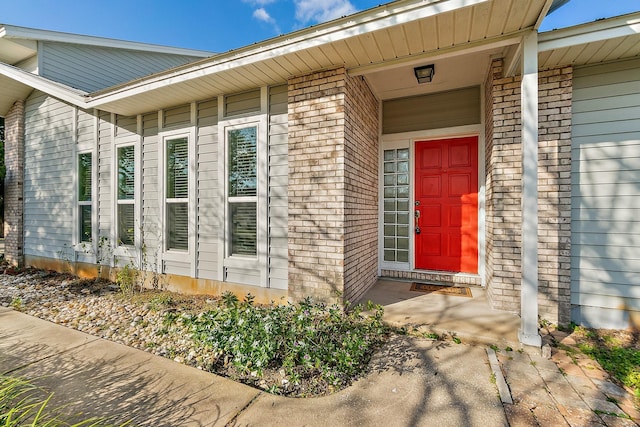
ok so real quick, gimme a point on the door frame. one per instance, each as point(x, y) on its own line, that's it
point(408, 140)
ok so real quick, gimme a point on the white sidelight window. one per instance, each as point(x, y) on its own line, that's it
point(242, 194)
point(85, 197)
point(126, 195)
point(177, 194)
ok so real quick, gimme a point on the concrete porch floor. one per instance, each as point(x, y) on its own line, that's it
point(470, 319)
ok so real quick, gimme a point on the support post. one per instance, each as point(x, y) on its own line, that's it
point(528, 333)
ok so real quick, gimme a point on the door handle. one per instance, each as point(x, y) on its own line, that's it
point(417, 214)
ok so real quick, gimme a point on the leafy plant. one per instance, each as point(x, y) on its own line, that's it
point(127, 280)
point(326, 344)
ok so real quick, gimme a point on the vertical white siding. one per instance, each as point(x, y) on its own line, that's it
point(605, 242)
point(278, 182)
point(91, 68)
point(105, 137)
point(210, 208)
point(48, 180)
point(151, 233)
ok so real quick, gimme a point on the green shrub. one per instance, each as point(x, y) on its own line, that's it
point(623, 363)
point(307, 340)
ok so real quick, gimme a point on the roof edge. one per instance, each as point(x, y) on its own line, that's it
point(58, 90)
point(16, 32)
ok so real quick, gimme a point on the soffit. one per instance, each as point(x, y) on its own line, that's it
point(405, 30)
point(12, 52)
point(11, 91)
point(601, 41)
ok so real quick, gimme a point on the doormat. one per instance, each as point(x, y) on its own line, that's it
point(441, 290)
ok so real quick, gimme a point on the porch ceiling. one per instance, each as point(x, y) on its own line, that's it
point(11, 91)
point(392, 34)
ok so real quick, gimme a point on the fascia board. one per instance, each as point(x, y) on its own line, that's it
point(621, 26)
point(65, 93)
point(375, 19)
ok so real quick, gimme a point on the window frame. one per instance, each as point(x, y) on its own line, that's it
point(227, 259)
point(116, 195)
point(81, 203)
point(177, 255)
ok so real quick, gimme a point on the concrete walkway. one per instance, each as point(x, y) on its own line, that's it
point(413, 382)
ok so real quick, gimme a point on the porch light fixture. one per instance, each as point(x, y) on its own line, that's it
point(425, 73)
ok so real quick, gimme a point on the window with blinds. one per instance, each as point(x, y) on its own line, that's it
point(177, 194)
point(126, 195)
point(85, 186)
point(242, 193)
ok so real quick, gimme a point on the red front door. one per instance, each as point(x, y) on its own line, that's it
point(446, 196)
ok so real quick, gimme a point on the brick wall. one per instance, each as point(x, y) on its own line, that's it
point(316, 185)
point(333, 196)
point(13, 184)
point(554, 185)
point(503, 169)
point(361, 188)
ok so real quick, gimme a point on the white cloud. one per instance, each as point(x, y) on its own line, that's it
point(259, 2)
point(262, 15)
point(315, 11)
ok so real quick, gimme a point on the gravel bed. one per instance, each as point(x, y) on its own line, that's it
point(97, 308)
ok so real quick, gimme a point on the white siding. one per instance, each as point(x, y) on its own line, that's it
point(48, 180)
point(278, 182)
point(151, 233)
point(105, 131)
point(91, 68)
point(210, 208)
point(605, 242)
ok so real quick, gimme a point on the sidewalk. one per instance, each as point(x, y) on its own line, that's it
point(413, 382)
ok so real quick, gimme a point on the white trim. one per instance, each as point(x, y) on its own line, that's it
point(14, 32)
point(261, 259)
point(409, 139)
point(482, 191)
point(621, 26)
point(365, 22)
point(528, 333)
point(185, 257)
point(221, 191)
point(138, 190)
point(193, 190)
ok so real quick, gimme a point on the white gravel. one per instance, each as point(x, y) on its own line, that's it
point(98, 309)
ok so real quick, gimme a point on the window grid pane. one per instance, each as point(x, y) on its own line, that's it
point(396, 205)
point(126, 224)
point(177, 168)
point(243, 228)
point(243, 162)
point(178, 226)
point(85, 223)
point(84, 177)
point(126, 173)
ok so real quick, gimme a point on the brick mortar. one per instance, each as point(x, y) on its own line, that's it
point(503, 170)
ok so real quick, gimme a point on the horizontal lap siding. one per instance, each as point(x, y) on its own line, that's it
point(606, 195)
point(48, 179)
point(210, 209)
point(278, 181)
point(91, 68)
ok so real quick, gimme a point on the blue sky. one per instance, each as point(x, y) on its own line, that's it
point(221, 25)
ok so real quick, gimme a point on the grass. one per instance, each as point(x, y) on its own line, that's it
point(24, 404)
point(621, 362)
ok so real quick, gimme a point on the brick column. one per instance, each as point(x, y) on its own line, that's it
point(503, 170)
point(333, 181)
point(13, 184)
point(317, 185)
